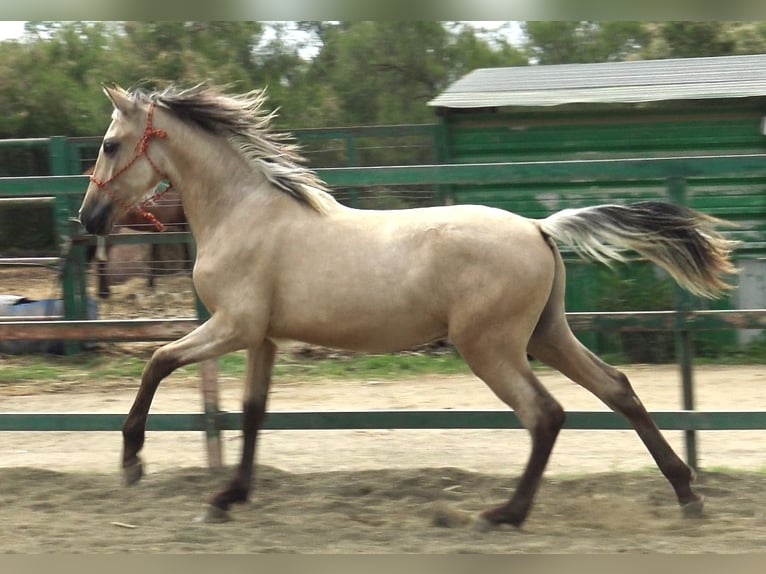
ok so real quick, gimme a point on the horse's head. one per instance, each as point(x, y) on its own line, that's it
point(124, 170)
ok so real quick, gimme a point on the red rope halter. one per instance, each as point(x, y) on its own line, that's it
point(141, 149)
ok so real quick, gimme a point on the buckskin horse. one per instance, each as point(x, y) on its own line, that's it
point(278, 258)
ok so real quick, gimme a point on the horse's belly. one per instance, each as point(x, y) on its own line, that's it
point(368, 331)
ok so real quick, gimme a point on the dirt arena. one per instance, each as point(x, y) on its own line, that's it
point(377, 491)
point(383, 491)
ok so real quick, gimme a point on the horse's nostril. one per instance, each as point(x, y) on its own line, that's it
point(97, 220)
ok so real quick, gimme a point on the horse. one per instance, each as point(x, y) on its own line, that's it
point(278, 258)
point(165, 212)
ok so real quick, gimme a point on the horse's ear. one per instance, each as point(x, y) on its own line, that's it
point(121, 100)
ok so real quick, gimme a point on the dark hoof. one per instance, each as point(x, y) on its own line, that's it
point(481, 524)
point(213, 515)
point(695, 508)
point(494, 517)
point(132, 474)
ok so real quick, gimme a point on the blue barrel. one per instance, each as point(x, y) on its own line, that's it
point(18, 306)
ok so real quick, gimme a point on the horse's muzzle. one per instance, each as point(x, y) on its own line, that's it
point(97, 216)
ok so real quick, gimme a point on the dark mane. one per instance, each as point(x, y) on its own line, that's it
point(243, 120)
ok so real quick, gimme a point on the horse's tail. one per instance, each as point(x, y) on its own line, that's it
point(678, 239)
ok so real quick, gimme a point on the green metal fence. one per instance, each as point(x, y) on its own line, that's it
point(674, 174)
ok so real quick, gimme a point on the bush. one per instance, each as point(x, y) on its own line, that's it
point(639, 286)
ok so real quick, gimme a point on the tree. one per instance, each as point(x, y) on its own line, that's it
point(48, 84)
point(568, 42)
point(188, 52)
point(385, 72)
point(695, 39)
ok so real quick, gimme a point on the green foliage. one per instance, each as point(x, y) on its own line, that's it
point(291, 367)
point(360, 72)
point(754, 352)
point(67, 372)
point(27, 232)
point(566, 42)
point(385, 72)
point(317, 73)
point(638, 287)
point(692, 39)
point(88, 368)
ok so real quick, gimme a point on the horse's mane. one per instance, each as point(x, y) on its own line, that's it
point(243, 120)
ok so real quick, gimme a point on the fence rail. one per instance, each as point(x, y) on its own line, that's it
point(135, 330)
point(378, 420)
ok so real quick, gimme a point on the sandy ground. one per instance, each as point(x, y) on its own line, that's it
point(383, 491)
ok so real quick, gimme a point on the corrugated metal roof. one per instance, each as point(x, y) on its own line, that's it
point(610, 82)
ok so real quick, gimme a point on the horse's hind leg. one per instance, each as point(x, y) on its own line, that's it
point(260, 362)
point(554, 344)
point(508, 374)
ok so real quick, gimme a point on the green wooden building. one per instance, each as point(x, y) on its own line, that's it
point(639, 109)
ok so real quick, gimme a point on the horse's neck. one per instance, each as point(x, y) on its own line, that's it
point(218, 188)
point(210, 179)
point(207, 208)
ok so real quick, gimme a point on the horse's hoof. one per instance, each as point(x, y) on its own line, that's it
point(481, 524)
point(494, 518)
point(695, 508)
point(132, 474)
point(213, 515)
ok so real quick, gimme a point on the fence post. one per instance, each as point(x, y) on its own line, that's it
point(209, 374)
point(684, 350)
point(440, 135)
point(72, 274)
point(352, 160)
point(58, 154)
point(72, 277)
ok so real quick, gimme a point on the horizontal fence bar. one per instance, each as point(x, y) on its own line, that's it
point(35, 186)
point(130, 330)
point(379, 420)
point(545, 171)
point(140, 238)
point(474, 173)
point(41, 200)
point(29, 317)
point(171, 329)
point(668, 320)
point(30, 260)
point(394, 130)
point(24, 142)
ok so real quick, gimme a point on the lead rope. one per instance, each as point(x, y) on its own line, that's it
point(141, 149)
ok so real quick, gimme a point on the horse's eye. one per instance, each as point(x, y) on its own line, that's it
point(110, 147)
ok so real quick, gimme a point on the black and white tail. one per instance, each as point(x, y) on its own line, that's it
point(678, 239)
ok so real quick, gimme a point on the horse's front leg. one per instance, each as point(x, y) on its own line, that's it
point(154, 259)
point(211, 339)
point(260, 362)
point(101, 253)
